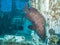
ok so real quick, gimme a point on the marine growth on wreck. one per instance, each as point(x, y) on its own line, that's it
point(29, 22)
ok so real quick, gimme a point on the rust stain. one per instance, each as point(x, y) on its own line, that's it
point(37, 19)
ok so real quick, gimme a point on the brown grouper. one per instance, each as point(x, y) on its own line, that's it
point(37, 20)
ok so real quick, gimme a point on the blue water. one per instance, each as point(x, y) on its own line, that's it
point(13, 22)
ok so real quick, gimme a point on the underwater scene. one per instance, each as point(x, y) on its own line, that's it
point(29, 22)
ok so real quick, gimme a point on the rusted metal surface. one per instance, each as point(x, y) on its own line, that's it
point(37, 19)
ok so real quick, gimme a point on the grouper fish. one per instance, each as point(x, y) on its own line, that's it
point(38, 21)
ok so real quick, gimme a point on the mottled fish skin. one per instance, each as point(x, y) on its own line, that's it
point(38, 20)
